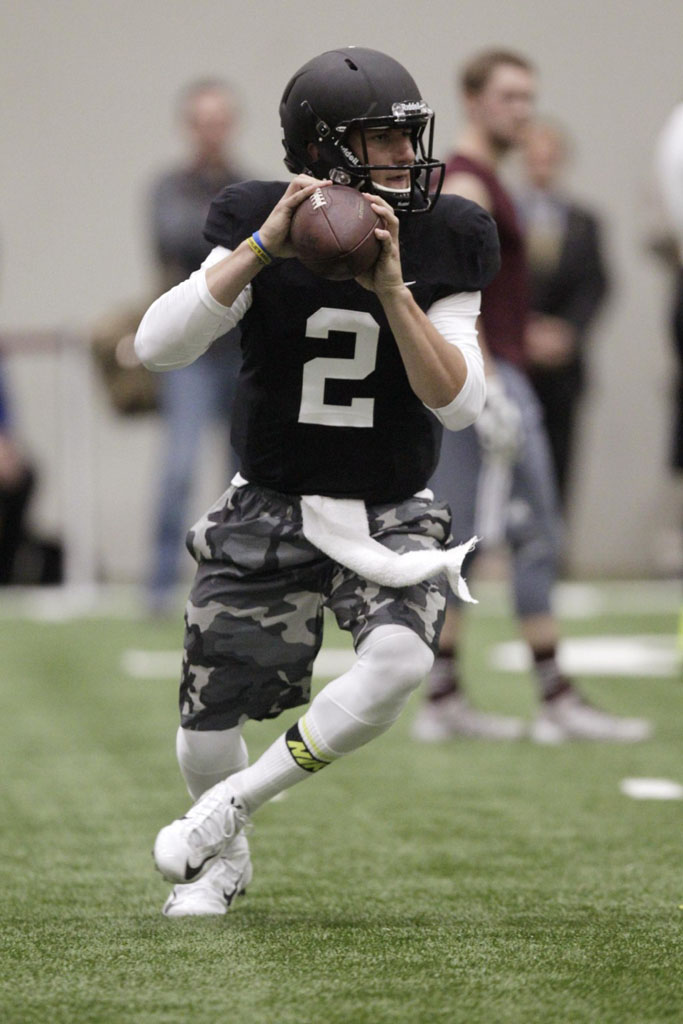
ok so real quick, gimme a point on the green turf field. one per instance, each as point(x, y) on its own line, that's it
point(469, 883)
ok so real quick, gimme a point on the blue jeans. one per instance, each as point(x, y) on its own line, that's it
point(190, 398)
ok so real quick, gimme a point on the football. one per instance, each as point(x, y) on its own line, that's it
point(333, 233)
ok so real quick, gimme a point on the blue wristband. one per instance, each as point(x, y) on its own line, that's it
point(261, 248)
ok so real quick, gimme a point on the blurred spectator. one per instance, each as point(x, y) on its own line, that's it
point(497, 475)
point(131, 389)
point(189, 398)
point(24, 558)
point(669, 170)
point(568, 284)
point(16, 483)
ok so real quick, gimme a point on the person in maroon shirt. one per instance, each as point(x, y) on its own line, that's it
point(497, 475)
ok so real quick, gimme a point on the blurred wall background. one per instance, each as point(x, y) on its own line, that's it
point(86, 121)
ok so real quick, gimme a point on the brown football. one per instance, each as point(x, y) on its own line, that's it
point(333, 233)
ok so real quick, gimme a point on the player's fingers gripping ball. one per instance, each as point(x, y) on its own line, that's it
point(333, 233)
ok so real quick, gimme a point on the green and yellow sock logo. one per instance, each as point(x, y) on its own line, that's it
point(301, 753)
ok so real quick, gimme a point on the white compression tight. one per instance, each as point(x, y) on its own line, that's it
point(349, 712)
point(206, 758)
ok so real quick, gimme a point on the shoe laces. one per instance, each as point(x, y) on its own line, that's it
point(213, 821)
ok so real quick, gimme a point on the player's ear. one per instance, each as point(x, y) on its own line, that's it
point(312, 151)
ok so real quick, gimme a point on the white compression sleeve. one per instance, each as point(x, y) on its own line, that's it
point(360, 705)
point(183, 322)
point(455, 318)
point(347, 713)
point(206, 758)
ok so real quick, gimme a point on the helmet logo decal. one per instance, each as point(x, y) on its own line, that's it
point(402, 110)
point(350, 155)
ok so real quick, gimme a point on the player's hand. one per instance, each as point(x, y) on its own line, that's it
point(385, 275)
point(499, 426)
point(275, 230)
point(549, 342)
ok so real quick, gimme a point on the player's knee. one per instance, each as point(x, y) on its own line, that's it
point(397, 658)
point(535, 540)
point(210, 751)
point(535, 570)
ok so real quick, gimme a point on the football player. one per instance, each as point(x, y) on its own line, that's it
point(342, 395)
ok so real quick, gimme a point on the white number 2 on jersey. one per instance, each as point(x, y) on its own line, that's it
point(314, 409)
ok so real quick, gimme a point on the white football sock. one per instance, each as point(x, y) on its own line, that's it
point(206, 758)
point(349, 712)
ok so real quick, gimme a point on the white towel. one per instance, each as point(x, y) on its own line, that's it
point(339, 528)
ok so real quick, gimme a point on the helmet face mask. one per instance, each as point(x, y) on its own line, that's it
point(353, 91)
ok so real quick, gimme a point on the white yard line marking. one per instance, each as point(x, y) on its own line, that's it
point(151, 664)
point(166, 664)
point(579, 600)
point(651, 789)
point(652, 656)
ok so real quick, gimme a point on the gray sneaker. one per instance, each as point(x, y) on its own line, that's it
point(570, 717)
point(186, 849)
point(452, 716)
point(215, 892)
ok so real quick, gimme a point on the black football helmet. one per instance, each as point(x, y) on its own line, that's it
point(356, 88)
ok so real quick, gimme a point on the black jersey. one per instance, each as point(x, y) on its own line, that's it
point(324, 405)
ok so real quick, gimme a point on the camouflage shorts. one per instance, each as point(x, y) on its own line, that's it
point(254, 618)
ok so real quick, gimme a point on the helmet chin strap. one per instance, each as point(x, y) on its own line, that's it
point(391, 191)
point(399, 197)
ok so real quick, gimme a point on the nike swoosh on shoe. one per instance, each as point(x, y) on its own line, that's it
point(191, 872)
point(229, 896)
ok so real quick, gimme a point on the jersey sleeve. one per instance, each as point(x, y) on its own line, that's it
point(474, 247)
point(452, 249)
point(239, 210)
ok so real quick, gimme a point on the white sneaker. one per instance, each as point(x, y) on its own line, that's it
point(185, 849)
point(227, 878)
point(452, 716)
point(570, 717)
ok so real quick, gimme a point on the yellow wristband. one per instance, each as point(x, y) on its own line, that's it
point(261, 254)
